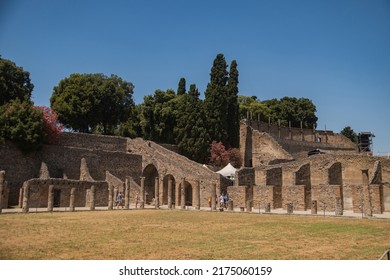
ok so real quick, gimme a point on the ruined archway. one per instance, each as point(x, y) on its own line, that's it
point(165, 189)
point(150, 173)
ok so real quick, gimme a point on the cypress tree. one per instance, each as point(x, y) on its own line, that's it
point(216, 102)
point(233, 123)
point(192, 137)
point(181, 88)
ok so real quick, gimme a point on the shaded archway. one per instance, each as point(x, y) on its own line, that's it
point(188, 193)
point(165, 189)
point(150, 173)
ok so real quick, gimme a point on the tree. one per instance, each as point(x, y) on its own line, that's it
point(87, 102)
point(52, 127)
point(158, 117)
point(216, 100)
point(22, 124)
point(15, 83)
point(295, 110)
point(190, 131)
point(233, 122)
point(252, 107)
point(181, 89)
point(349, 133)
point(132, 126)
point(220, 156)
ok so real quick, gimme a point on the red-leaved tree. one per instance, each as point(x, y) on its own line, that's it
point(52, 127)
point(220, 157)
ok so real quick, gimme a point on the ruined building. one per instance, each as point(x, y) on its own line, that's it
point(87, 170)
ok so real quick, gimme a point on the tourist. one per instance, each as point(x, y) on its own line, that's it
point(209, 201)
point(221, 201)
point(136, 200)
point(225, 200)
point(119, 200)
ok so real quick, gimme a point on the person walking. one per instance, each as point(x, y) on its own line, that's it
point(119, 200)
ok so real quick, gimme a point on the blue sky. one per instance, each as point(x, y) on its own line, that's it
point(334, 52)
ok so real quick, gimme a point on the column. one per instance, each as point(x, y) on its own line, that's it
point(115, 196)
point(20, 205)
point(72, 197)
point(50, 198)
point(314, 207)
point(2, 188)
point(339, 206)
point(127, 193)
point(26, 196)
point(177, 194)
point(110, 193)
point(197, 195)
point(213, 197)
point(218, 194)
point(183, 193)
point(142, 203)
point(157, 193)
point(169, 193)
point(92, 198)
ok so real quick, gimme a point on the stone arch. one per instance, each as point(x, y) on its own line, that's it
point(164, 200)
point(189, 196)
point(335, 175)
point(150, 173)
point(303, 177)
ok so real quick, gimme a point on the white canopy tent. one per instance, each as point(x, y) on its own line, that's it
point(228, 171)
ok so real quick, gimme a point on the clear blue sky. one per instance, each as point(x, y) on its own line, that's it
point(334, 52)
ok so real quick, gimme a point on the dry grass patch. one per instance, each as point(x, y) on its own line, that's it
point(149, 234)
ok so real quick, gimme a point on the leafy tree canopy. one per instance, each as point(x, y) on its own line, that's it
point(285, 110)
point(349, 133)
point(93, 102)
point(15, 83)
point(22, 124)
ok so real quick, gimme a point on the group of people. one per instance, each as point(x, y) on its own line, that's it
point(119, 200)
point(223, 200)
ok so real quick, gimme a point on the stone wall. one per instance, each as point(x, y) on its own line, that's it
point(295, 194)
point(94, 142)
point(238, 194)
point(65, 162)
point(326, 196)
point(38, 194)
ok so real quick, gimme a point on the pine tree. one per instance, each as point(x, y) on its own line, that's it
point(233, 123)
point(216, 101)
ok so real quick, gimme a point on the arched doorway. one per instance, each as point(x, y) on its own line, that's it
point(165, 189)
point(187, 192)
point(150, 173)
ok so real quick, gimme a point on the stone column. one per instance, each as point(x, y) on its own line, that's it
point(110, 194)
point(213, 197)
point(367, 201)
point(50, 198)
point(339, 206)
point(72, 197)
point(142, 202)
point(177, 194)
point(157, 193)
point(218, 194)
point(230, 205)
point(26, 196)
point(127, 193)
point(2, 188)
point(314, 207)
point(115, 196)
point(183, 193)
point(249, 206)
point(169, 193)
point(197, 195)
point(20, 205)
point(92, 198)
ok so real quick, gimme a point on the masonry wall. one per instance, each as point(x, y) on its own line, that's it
point(62, 189)
point(64, 162)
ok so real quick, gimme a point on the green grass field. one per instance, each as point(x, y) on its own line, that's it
point(162, 234)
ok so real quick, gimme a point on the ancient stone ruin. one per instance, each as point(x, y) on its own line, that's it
point(87, 170)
